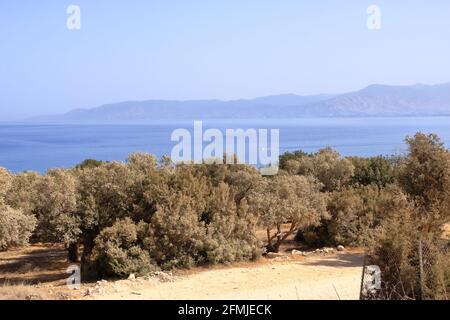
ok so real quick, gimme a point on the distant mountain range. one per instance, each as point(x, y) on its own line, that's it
point(374, 100)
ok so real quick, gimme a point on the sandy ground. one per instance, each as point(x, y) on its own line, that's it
point(334, 277)
point(39, 272)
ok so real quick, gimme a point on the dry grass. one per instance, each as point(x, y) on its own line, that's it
point(36, 272)
point(22, 292)
point(35, 264)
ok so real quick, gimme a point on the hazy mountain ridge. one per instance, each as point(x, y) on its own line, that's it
point(374, 100)
point(382, 100)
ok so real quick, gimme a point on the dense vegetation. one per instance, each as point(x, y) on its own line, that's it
point(134, 217)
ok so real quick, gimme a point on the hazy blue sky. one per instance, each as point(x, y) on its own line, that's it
point(226, 49)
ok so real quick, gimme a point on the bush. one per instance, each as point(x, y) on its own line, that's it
point(117, 251)
point(231, 229)
point(395, 252)
point(15, 227)
point(372, 171)
point(327, 166)
point(356, 215)
point(89, 164)
point(175, 236)
point(5, 181)
point(440, 280)
point(293, 200)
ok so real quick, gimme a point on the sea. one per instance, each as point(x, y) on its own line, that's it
point(40, 147)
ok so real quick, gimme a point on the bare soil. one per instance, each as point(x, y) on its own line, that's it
point(34, 272)
point(332, 277)
point(39, 272)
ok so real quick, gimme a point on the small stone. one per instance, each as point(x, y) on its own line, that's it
point(132, 277)
point(96, 290)
point(340, 248)
point(33, 297)
point(63, 296)
point(296, 252)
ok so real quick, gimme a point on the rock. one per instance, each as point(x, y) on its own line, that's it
point(340, 248)
point(132, 277)
point(102, 283)
point(63, 296)
point(328, 250)
point(95, 290)
point(33, 296)
point(273, 255)
point(161, 276)
point(296, 252)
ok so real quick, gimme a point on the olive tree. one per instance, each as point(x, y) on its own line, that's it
point(372, 171)
point(15, 227)
point(327, 165)
point(22, 193)
point(295, 201)
point(5, 181)
point(118, 252)
point(231, 227)
point(56, 210)
point(103, 198)
point(425, 176)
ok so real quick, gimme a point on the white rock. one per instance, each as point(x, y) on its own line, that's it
point(132, 277)
point(95, 290)
point(296, 252)
point(340, 248)
point(328, 250)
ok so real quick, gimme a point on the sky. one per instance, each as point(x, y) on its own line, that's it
point(203, 49)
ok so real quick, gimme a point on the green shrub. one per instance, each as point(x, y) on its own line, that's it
point(372, 171)
point(117, 251)
point(175, 236)
point(356, 214)
point(89, 164)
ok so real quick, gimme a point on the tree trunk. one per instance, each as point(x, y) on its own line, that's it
point(270, 247)
point(88, 270)
point(73, 252)
point(275, 247)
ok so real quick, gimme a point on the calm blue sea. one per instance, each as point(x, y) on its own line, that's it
point(40, 147)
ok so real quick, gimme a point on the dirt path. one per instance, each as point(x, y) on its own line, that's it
point(331, 277)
